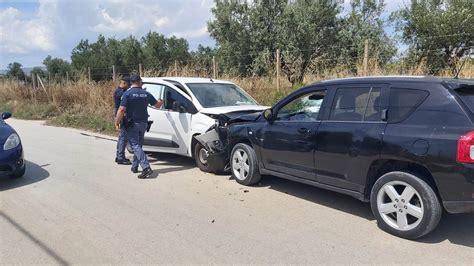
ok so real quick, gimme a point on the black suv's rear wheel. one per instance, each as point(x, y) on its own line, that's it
point(244, 165)
point(405, 205)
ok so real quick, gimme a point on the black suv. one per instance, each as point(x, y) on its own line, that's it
point(406, 144)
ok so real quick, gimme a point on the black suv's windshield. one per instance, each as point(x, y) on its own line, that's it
point(219, 95)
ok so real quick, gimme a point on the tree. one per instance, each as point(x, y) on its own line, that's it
point(38, 71)
point(56, 66)
point(248, 33)
point(202, 59)
point(155, 52)
point(15, 71)
point(364, 22)
point(438, 32)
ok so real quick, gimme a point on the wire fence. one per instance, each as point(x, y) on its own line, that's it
point(279, 64)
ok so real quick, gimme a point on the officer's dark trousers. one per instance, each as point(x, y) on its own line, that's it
point(121, 144)
point(135, 134)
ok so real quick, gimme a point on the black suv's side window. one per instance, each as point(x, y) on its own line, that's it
point(403, 102)
point(172, 98)
point(305, 108)
point(374, 110)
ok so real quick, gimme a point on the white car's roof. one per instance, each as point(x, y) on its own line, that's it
point(184, 80)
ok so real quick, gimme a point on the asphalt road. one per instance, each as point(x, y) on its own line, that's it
point(76, 206)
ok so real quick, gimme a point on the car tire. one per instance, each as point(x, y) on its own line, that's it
point(405, 205)
point(244, 165)
point(19, 173)
point(200, 154)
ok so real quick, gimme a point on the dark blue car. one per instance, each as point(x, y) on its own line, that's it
point(11, 151)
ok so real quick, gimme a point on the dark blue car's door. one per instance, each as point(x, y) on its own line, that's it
point(288, 143)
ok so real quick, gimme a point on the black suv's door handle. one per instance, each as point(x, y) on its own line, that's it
point(304, 130)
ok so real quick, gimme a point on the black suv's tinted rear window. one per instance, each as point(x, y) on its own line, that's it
point(403, 102)
point(467, 96)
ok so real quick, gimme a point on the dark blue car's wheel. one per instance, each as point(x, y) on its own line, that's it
point(19, 172)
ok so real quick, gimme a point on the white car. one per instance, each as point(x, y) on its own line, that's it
point(190, 106)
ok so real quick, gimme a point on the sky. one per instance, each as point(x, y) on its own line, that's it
point(30, 30)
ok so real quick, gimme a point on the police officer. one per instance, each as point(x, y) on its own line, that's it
point(122, 138)
point(134, 107)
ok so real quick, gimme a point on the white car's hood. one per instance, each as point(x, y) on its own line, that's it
point(230, 109)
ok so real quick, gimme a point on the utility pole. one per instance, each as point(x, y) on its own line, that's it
point(366, 57)
point(89, 74)
point(278, 64)
point(214, 68)
point(176, 68)
point(113, 72)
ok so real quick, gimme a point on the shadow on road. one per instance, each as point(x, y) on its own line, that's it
point(34, 173)
point(319, 196)
point(35, 240)
point(456, 228)
point(175, 162)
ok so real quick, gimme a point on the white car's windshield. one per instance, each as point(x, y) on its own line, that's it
point(218, 95)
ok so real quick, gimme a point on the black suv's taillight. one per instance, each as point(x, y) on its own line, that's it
point(465, 152)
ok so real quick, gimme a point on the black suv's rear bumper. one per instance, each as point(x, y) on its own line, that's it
point(459, 206)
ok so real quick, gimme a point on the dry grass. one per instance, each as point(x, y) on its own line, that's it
point(90, 105)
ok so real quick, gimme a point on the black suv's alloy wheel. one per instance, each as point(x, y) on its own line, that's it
point(244, 165)
point(405, 205)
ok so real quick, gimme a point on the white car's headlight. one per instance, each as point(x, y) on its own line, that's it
point(12, 142)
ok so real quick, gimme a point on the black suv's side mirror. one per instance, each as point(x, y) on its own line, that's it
point(6, 115)
point(268, 115)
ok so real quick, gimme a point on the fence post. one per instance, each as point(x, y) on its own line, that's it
point(33, 79)
point(366, 57)
point(67, 78)
point(140, 69)
point(214, 68)
point(113, 72)
point(89, 74)
point(278, 64)
point(176, 68)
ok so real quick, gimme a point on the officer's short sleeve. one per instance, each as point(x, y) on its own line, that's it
point(124, 100)
point(151, 99)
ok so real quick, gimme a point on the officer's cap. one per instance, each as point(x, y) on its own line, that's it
point(126, 79)
point(135, 78)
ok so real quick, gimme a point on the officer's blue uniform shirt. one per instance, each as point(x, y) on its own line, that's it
point(136, 101)
point(118, 93)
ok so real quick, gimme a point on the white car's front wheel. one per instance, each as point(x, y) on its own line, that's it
point(200, 156)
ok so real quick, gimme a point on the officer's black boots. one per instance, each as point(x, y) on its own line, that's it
point(146, 173)
point(123, 161)
point(134, 170)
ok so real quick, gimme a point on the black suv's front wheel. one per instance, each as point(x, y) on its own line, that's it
point(244, 165)
point(405, 205)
